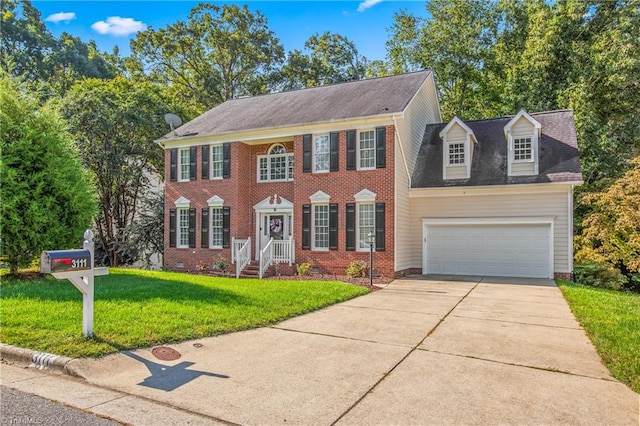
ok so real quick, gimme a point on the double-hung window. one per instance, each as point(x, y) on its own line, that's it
point(184, 164)
point(276, 166)
point(522, 149)
point(366, 224)
point(456, 154)
point(183, 228)
point(321, 227)
point(321, 153)
point(217, 161)
point(367, 149)
point(215, 229)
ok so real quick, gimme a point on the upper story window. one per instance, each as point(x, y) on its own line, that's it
point(367, 149)
point(522, 149)
point(217, 161)
point(276, 166)
point(456, 153)
point(184, 164)
point(321, 153)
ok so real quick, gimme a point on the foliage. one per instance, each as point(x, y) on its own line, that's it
point(357, 268)
point(221, 263)
point(611, 232)
point(135, 309)
point(219, 53)
point(599, 275)
point(612, 321)
point(47, 197)
point(202, 266)
point(146, 233)
point(115, 123)
point(304, 268)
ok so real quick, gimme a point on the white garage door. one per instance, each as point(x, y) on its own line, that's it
point(513, 250)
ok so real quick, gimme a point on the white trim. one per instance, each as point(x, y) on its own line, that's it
point(179, 212)
point(215, 201)
point(268, 205)
point(358, 148)
point(313, 227)
point(522, 113)
point(359, 204)
point(319, 197)
point(313, 153)
point(492, 190)
point(287, 155)
point(570, 229)
point(365, 196)
point(494, 221)
point(211, 147)
point(458, 121)
point(210, 224)
point(182, 203)
point(179, 164)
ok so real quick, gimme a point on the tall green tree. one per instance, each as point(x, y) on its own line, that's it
point(403, 46)
point(114, 123)
point(48, 199)
point(219, 53)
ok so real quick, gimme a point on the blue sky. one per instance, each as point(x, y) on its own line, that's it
point(112, 23)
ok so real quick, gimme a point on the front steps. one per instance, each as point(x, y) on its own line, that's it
point(252, 270)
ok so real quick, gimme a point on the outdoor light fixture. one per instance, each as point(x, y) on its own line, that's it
point(371, 239)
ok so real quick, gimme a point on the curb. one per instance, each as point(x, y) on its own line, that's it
point(39, 360)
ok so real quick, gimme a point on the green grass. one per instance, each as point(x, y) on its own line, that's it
point(135, 308)
point(612, 321)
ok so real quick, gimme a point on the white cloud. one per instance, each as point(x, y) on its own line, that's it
point(366, 4)
point(61, 17)
point(117, 26)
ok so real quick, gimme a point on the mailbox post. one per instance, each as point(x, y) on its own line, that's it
point(76, 266)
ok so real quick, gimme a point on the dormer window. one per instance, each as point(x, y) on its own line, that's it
point(522, 134)
point(458, 144)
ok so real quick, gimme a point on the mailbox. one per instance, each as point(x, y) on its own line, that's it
point(56, 261)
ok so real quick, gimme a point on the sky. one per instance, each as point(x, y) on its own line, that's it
point(111, 23)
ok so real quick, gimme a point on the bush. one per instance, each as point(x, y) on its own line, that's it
point(599, 275)
point(221, 264)
point(357, 268)
point(304, 268)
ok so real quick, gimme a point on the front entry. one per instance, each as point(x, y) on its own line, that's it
point(274, 219)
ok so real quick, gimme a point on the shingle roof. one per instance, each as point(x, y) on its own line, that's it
point(363, 98)
point(558, 154)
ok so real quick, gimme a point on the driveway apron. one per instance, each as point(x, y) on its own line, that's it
point(429, 350)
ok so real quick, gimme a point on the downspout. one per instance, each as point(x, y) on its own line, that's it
point(395, 189)
point(404, 159)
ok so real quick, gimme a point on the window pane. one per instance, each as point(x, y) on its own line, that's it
point(321, 153)
point(216, 161)
point(456, 153)
point(290, 166)
point(278, 149)
point(278, 167)
point(366, 222)
point(264, 169)
point(216, 227)
point(367, 149)
point(522, 149)
point(185, 164)
point(321, 226)
point(183, 228)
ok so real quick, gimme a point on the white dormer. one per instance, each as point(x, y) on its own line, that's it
point(457, 150)
point(522, 134)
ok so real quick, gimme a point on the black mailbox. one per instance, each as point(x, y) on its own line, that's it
point(55, 261)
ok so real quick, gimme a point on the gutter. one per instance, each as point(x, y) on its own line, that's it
point(404, 159)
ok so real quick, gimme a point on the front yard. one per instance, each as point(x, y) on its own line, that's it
point(612, 321)
point(135, 308)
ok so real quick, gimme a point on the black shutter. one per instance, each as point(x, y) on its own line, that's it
point(306, 226)
point(192, 227)
point(351, 150)
point(381, 151)
point(306, 153)
point(351, 226)
point(226, 226)
point(172, 227)
point(205, 161)
point(193, 162)
point(226, 160)
point(379, 226)
point(204, 243)
point(333, 227)
point(333, 152)
point(173, 172)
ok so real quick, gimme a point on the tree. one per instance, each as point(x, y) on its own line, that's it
point(403, 45)
point(115, 123)
point(221, 52)
point(48, 199)
point(611, 233)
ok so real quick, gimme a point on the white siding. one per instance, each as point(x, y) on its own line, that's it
point(456, 134)
point(548, 204)
point(523, 128)
point(523, 169)
point(456, 172)
point(422, 110)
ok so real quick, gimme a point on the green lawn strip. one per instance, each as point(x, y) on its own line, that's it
point(135, 308)
point(612, 321)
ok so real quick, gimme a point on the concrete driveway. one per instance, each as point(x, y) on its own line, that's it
point(435, 350)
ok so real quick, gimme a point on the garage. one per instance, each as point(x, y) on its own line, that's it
point(509, 247)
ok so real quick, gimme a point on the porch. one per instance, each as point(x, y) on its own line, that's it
point(276, 251)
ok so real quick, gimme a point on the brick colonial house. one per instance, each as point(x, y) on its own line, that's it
point(311, 175)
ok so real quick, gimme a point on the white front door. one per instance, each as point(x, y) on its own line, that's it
point(273, 225)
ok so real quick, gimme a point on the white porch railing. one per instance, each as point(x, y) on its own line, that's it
point(236, 244)
point(242, 256)
point(276, 251)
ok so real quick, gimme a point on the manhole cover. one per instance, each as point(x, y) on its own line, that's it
point(165, 354)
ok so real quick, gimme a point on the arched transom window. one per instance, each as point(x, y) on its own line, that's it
point(276, 166)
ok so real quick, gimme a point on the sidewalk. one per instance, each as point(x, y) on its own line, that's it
point(464, 351)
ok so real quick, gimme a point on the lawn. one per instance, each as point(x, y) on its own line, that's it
point(612, 321)
point(135, 308)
